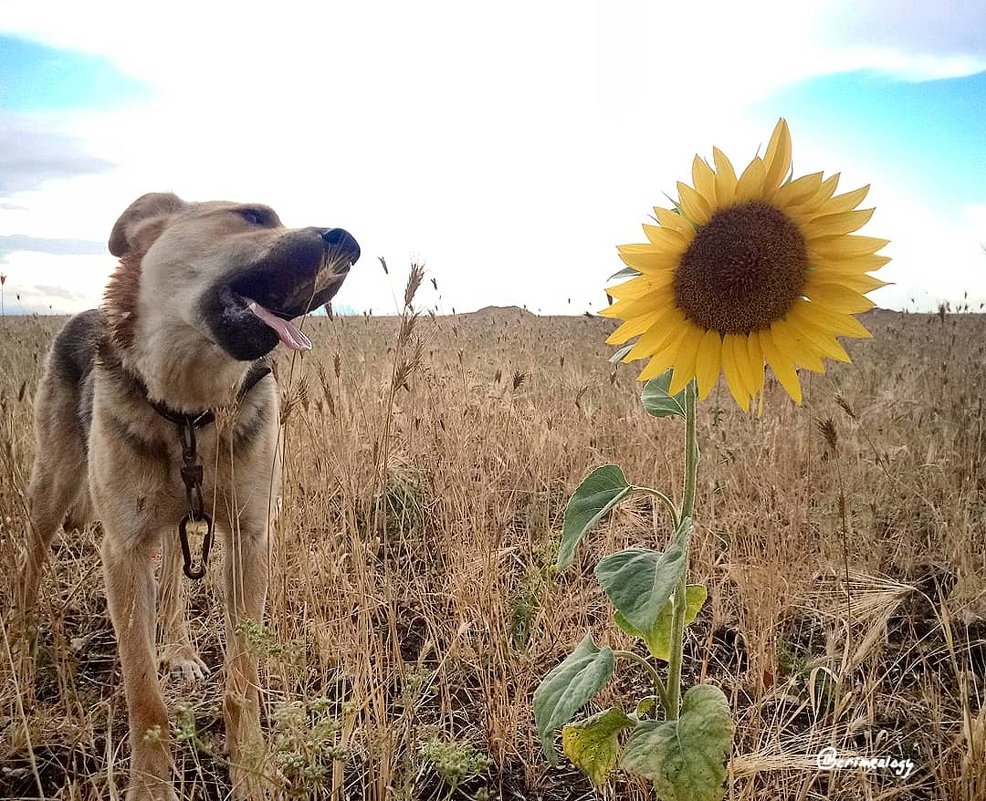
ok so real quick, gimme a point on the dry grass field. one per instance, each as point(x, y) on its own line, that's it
point(414, 609)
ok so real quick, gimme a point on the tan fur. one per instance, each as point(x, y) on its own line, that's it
point(171, 252)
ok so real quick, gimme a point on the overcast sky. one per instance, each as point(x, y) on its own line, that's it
point(510, 146)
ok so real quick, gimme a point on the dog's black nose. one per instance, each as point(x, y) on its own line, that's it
point(340, 243)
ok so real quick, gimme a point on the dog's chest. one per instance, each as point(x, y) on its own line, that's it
point(136, 467)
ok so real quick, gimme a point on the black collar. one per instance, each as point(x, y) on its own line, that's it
point(258, 371)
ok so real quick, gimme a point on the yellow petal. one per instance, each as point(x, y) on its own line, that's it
point(795, 347)
point(851, 265)
point(651, 262)
point(755, 353)
point(835, 323)
point(734, 377)
point(741, 354)
point(799, 190)
point(668, 240)
point(838, 298)
point(824, 343)
point(640, 287)
point(844, 222)
point(657, 336)
point(695, 207)
point(861, 283)
point(632, 328)
point(725, 179)
point(782, 366)
point(846, 201)
point(664, 358)
point(708, 362)
point(841, 247)
point(825, 190)
point(704, 180)
point(778, 158)
point(675, 222)
point(684, 363)
point(750, 185)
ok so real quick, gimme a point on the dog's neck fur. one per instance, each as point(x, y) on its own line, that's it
point(182, 373)
point(179, 366)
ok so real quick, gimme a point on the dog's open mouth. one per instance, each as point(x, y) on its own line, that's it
point(250, 312)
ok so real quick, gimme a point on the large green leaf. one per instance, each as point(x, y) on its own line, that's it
point(658, 401)
point(567, 688)
point(601, 490)
point(658, 639)
point(640, 581)
point(593, 744)
point(685, 758)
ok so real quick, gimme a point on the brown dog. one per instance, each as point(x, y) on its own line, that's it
point(124, 416)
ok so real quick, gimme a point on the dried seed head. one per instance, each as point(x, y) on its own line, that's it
point(844, 405)
point(829, 434)
point(413, 282)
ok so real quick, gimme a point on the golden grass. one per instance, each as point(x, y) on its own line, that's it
point(413, 609)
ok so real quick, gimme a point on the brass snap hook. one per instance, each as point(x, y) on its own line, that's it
point(199, 526)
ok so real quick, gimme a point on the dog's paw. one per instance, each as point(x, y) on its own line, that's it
point(182, 662)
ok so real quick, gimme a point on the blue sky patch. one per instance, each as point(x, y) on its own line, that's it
point(933, 133)
point(35, 77)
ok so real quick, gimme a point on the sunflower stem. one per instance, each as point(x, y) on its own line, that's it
point(687, 507)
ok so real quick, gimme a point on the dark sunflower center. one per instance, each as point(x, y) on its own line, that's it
point(744, 269)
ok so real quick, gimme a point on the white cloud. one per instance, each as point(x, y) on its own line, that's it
point(511, 145)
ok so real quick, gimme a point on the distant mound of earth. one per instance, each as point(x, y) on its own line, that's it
point(501, 311)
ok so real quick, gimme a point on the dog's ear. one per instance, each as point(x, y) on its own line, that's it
point(143, 222)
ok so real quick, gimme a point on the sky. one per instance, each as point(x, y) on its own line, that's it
point(507, 146)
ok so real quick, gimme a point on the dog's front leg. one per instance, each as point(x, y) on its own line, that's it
point(246, 595)
point(129, 575)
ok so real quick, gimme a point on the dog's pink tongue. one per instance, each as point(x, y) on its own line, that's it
point(288, 333)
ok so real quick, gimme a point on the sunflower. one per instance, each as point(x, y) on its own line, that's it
point(743, 272)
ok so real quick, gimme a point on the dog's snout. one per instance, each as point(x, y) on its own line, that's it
point(341, 243)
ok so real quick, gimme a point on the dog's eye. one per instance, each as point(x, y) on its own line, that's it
point(253, 216)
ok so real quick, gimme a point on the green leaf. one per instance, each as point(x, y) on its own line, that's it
point(625, 273)
point(593, 744)
point(640, 581)
point(685, 758)
point(658, 402)
point(618, 356)
point(658, 639)
point(601, 490)
point(646, 705)
point(567, 688)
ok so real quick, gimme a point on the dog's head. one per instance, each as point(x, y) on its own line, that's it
point(229, 271)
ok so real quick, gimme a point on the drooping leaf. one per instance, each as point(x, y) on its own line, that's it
point(593, 744)
point(626, 272)
point(640, 581)
point(618, 356)
point(601, 490)
point(658, 639)
point(658, 402)
point(685, 758)
point(567, 688)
